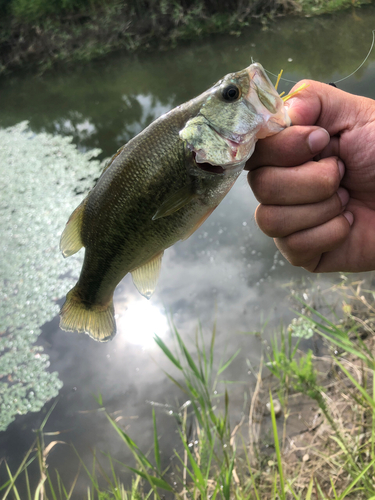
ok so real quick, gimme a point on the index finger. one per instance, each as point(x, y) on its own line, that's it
point(293, 146)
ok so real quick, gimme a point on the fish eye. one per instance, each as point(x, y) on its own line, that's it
point(230, 93)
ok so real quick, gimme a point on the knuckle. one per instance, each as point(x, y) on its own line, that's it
point(260, 184)
point(330, 208)
point(270, 220)
point(297, 249)
point(329, 176)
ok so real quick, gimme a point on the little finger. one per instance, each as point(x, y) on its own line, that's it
point(305, 248)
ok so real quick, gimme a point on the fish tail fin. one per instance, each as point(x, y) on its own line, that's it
point(96, 320)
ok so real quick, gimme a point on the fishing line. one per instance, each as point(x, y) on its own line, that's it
point(360, 66)
point(284, 79)
point(345, 77)
point(273, 74)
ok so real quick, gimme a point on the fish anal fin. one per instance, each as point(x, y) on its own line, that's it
point(70, 241)
point(198, 224)
point(145, 278)
point(96, 320)
point(176, 201)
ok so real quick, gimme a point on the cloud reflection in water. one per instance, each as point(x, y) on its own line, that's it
point(140, 322)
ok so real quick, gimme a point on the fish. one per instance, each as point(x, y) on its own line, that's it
point(159, 188)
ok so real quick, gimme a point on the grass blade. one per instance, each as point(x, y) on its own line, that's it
point(225, 366)
point(227, 479)
point(14, 489)
point(172, 379)
point(19, 470)
point(343, 343)
point(199, 479)
point(154, 481)
point(51, 487)
point(277, 448)
point(156, 443)
point(355, 480)
point(212, 345)
point(309, 489)
point(131, 444)
point(357, 385)
point(188, 358)
point(253, 484)
point(167, 352)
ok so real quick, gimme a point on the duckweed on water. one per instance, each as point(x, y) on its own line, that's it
point(40, 178)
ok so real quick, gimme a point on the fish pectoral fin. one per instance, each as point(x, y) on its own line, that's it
point(145, 278)
point(198, 224)
point(71, 241)
point(176, 201)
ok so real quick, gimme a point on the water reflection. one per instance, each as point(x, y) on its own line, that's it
point(139, 322)
point(147, 108)
point(76, 125)
point(118, 96)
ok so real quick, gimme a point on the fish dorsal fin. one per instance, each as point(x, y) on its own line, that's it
point(113, 158)
point(70, 241)
point(145, 277)
point(176, 201)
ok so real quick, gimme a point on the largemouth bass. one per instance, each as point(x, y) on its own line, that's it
point(159, 188)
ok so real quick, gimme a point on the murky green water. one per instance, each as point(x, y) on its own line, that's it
point(227, 270)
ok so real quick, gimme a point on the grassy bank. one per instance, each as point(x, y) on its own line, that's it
point(329, 454)
point(45, 32)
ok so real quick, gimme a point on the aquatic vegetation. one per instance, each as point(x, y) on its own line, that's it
point(37, 192)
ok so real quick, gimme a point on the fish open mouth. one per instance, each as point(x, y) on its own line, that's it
point(233, 162)
point(207, 167)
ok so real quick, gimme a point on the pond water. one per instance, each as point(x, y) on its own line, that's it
point(227, 272)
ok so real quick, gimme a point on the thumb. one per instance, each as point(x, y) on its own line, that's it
point(323, 105)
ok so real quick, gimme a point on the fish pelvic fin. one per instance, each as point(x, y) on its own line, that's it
point(96, 320)
point(145, 277)
point(71, 241)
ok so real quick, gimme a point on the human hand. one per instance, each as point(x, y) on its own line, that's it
point(321, 213)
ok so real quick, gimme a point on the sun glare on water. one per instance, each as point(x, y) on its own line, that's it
point(140, 322)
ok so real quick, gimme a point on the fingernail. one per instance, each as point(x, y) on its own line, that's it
point(341, 166)
point(349, 217)
point(318, 140)
point(343, 195)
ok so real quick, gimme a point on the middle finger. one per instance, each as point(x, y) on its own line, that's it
point(308, 183)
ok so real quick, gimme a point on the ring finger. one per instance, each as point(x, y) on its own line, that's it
point(280, 221)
